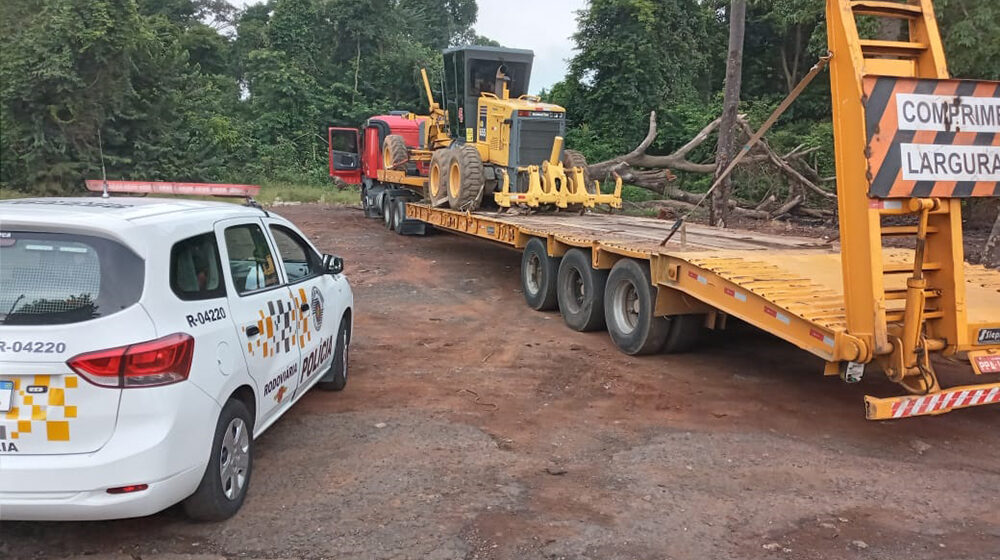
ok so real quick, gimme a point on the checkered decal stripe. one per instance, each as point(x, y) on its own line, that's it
point(281, 326)
point(49, 412)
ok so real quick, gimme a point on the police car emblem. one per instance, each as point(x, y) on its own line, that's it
point(317, 306)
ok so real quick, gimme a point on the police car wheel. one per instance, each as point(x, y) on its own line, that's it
point(336, 377)
point(224, 485)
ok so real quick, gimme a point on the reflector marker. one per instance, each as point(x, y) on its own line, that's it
point(943, 402)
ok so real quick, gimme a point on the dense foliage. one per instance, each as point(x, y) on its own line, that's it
point(194, 90)
point(634, 56)
point(198, 90)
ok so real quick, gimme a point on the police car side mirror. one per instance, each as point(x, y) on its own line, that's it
point(332, 264)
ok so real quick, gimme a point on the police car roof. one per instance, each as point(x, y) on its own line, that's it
point(124, 209)
point(140, 223)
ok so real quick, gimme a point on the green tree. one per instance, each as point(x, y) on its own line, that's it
point(635, 56)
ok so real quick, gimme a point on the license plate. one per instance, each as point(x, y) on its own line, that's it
point(6, 395)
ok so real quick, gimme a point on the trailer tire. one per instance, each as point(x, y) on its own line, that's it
point(465, 179)
point(437, 177)
point(539, 274)
point(629, 302)
point(394, 152)
point(685, 332)
point(580, 291)
point(573, 158)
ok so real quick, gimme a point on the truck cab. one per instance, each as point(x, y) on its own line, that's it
point(356, 153)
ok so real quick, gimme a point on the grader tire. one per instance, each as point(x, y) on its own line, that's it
point(394, 153)
point(465, 179)
point(437, 181)
point(573, 158)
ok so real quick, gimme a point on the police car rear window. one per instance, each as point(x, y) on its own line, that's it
point(195, 268)
point(58, 278)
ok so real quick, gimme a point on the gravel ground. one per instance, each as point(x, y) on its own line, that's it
point(474, 428)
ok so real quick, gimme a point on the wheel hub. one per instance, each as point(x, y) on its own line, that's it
point(533, 278)
point(234, 458)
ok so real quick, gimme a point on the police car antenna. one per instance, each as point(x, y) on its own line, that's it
point(254, 204)
point(104, 172)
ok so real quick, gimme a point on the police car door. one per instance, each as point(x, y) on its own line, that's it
point(315, 296)
point(262, 309)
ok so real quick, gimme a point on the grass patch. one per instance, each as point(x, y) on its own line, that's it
point(292, 192)
point(11, 193)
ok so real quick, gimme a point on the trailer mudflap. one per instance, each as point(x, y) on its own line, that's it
point(891, 408)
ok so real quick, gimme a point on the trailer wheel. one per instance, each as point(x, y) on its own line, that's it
point(580, 289)
point(538, 276)
point(465, 179)
point(629, 301)
point(685, 332)
point(437, 180)
point(394, 152)
point(573, 158)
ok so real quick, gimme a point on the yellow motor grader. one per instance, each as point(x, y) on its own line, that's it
point(491, 138)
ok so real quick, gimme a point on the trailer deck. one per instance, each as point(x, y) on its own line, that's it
point(789, 286)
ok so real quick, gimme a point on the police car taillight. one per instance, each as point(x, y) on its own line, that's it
point(147, 364)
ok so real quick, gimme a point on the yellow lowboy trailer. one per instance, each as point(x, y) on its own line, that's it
point(791, 287)
point(910, 144)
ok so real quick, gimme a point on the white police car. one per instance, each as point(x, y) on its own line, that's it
point(145, 342)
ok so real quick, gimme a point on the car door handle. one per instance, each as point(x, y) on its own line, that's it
point(253, 330)
point(304, 307)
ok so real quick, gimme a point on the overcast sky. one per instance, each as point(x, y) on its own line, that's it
point(544, 26)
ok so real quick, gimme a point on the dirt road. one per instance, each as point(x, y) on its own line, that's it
point(474, 428)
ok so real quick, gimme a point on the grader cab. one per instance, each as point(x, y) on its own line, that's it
point(491, 137)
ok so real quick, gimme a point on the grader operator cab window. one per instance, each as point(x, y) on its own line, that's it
point(472, 71)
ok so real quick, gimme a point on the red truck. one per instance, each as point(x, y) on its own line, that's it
point(356, 158)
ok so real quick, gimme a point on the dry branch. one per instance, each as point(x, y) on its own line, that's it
point(654, 172)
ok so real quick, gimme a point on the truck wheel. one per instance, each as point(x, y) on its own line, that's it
point(685, 331)
point(394, 152)
point(224, 485)
point(629, 301)
point(398, 215)
point(367, 206)
point(580, 289)
point(465, 179)
point(573, 158)
point(387, 210)
point(538, 276)
point(437, 182)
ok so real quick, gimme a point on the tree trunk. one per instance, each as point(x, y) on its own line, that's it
point(719, 211)
point(991, 253)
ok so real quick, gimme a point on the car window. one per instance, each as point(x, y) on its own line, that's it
point(59, 278)
point(344, 141)
point(300, 260)
point(195, 268)
point(250, 260)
